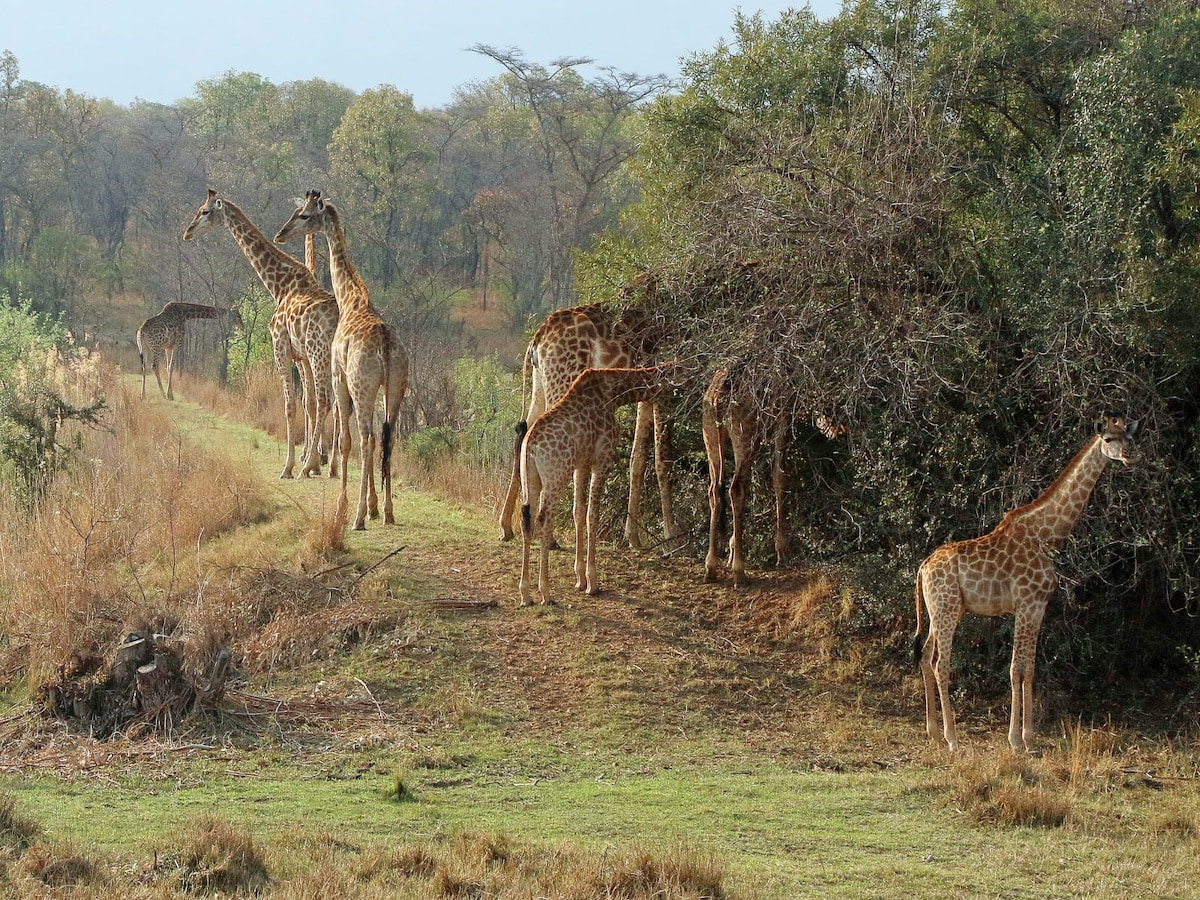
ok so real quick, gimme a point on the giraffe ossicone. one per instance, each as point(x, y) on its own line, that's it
point(1008, 571)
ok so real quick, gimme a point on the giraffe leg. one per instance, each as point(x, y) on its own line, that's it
point(312, 458)
point(372, 496)
point(738, 488)
point(596, 488)
point(344, 444)
point(779, 483)
point(714, 446)
point(158, 378)
point(283, 366)
point(1024, 660)
point(637, 475)
point(928, 660)
point(545, 521)
point(366, 442)
point(662, 469)
point(941, 669)
point(170, 353)
point(580, 515)
point(529, 512)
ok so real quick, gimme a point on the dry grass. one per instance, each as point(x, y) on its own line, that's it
point(257, 402)
point(468, 484)
point(213, 857)
point(117, 536)
point(16, 831)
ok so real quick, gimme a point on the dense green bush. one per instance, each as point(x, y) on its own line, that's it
point(33, 409)
point(964, 233)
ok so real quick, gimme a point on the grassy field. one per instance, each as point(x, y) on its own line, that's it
point(400, 728)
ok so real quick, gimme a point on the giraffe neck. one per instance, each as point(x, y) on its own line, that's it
point(1056, 511)
point(277, 270)
point(348, 287)
point(624, 386)
point(186, 311)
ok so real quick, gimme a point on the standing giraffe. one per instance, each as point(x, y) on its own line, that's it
point(735, 410)
point(301, 327)
point(578, 434)
point(367, 357)
point(564, 345)
point(159, 335)
point(1008, 571)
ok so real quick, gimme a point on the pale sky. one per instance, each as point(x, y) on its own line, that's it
point(157, 50)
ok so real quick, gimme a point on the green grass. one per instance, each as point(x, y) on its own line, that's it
point(655, 718)
point(781, 833)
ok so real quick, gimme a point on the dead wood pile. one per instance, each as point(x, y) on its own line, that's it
point(144, 685)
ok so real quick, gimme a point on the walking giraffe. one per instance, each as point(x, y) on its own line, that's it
point(578, 434)
point(736, 410)
point(301, 327)
point(160, 335)
point(564, 345)
point(1008, 571)
point(367, 357)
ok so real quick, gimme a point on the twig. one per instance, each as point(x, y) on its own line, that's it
point(372, 696)
point(372, 568)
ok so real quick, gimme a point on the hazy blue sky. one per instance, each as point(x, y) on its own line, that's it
point(158, 49)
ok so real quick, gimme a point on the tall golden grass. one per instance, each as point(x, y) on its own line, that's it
point(117, 537)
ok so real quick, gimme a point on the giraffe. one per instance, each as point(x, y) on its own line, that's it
point(735, 410)
point(159, 335)
point(301, 327)
point(367, 357)
point(1008, 571)
point(564, 345)
point(578, 434)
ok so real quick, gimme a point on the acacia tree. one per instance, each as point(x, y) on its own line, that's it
point(557, 143)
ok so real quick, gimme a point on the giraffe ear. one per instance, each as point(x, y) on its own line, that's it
point(1131, 428)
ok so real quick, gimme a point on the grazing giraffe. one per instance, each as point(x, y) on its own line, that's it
point(578, 434)
point(301, 327)
point(1008, 571)
point(159, 335)
point(735, 410)
point(367, 357)
point(564, 345)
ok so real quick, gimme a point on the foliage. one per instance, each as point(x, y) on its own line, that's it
point(33, 409)
point(962, 233)
point(486, 408)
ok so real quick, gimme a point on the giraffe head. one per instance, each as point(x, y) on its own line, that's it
point(1115, 434)
point(308, 218)
point(210, 215)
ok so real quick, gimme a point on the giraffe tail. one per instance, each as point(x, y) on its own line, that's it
point(526, 520)
point(385, 450)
